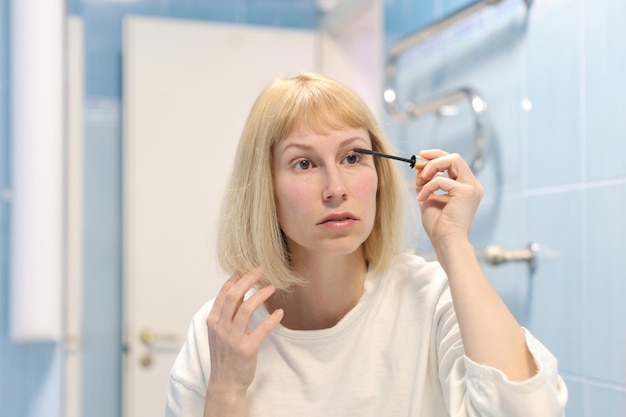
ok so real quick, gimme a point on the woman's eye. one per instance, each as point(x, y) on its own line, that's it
point(352, 159)
point(303, 165)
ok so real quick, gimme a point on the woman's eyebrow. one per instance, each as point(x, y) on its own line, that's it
point(349, 141)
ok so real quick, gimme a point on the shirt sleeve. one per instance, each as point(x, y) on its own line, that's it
point(189, 375)
point(544, 394)
point(182, 401)
point(473, 390)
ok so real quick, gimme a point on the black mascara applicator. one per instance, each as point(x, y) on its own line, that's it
point(411, 160)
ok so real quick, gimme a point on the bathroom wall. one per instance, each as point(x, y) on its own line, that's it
point(555, 174)
point(31, 374)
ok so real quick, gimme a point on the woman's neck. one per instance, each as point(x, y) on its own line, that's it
point(334, 286)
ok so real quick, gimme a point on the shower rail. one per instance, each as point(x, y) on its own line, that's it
point(411, 110)
point(478, 108)
point(495, 255)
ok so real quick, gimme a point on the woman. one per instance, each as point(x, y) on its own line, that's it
point(324, 314)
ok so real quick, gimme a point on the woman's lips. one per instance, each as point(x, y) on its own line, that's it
point(338, 221)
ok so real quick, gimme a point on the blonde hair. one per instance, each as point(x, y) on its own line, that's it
point(250, 235)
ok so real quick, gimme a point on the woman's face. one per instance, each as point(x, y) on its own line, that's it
point(325, 193)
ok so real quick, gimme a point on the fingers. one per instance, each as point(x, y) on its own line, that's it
point(233, 347)
point(266, 327)
point(231, 313)
point(219, 300)
point(440, 183)
point(446, 200)
point(243, 315)
point(234, 294)
point(440, 161)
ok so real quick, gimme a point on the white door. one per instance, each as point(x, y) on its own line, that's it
point(187, 90)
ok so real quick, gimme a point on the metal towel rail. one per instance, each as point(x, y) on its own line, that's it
point(411, 110)
point(497, 255)
point(478, 107)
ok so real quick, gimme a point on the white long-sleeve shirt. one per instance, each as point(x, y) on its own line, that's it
point(398, 352)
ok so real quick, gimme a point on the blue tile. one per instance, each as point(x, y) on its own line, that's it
point(35, 386)
point(202, 4)
point(102, 291)
point(295, 14)
point(605, 89)
point(5, 143)
point(119, 4)
point(500, 77)
point(554, 129)
point(5, 206)
point(505, 118)
point(452, 6)
point(607, 401)
point(403, 17)
point(5, 58)
point(605, 240)
point(506, 228)
point(219, 13)
point(74, 7)
point(577, 397)
point(103, 46)
point(213, 10)
point(292, 4)
point(557, 310)
point(498, 214)
point(309, 6)
point(282, 17)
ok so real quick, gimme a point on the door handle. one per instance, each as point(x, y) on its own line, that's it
point(151, 338)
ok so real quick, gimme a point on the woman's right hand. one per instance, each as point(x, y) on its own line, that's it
point(233, 345)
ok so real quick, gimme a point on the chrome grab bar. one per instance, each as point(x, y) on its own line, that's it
point(497, 255)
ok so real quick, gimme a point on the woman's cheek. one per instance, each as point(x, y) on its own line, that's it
point(367, 185)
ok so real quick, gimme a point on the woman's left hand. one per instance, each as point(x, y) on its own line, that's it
point(449, 215)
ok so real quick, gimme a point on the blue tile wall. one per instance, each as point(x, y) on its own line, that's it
point(577, 404)
point(557, 304)
point(605, 88)
point(554, 128)
point(508, 221)
point(555, 173)
point(404, 16)
point(607, 401)
point(605, 240)
point(451, 6)
point(102, 287)
point(31, 375)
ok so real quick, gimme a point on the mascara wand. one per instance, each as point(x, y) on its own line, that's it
point(411, 161)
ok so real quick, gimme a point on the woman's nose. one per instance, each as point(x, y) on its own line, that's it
point(335, 186)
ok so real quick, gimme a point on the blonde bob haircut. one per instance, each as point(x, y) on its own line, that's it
point(250, 235)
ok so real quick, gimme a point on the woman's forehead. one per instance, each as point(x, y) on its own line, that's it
point(321, 125)
point(304, 132)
